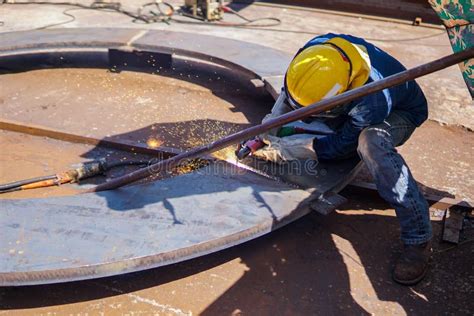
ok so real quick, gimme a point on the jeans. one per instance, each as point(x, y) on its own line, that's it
point(394, 180)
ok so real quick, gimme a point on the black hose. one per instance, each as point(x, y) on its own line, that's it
point(16, 186)
point(122, 163)
point(10, 190)
point(12, 185)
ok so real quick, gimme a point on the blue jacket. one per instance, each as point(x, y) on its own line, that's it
point(374, 108)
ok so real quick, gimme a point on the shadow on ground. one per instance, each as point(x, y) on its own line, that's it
point(317, 265)
point(341, 264)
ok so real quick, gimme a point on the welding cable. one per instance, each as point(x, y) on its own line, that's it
point(166, 17)
point(60, 179)
point(72, 18)
point(161, 17)
point(11, 190)
point(17, 184)
point(86, 170)
point(245, 25)
point(275, 21)
point(152, 17)
point(248, 23)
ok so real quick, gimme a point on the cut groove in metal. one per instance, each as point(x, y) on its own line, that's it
point(35, 130)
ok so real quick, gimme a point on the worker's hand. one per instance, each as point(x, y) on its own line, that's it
point(288, 148)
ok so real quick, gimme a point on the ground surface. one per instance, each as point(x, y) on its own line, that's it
point(339, 264)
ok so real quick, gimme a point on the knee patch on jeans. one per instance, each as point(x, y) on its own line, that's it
point(372, 138)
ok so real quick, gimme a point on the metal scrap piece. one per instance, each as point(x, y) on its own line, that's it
point(453, 222)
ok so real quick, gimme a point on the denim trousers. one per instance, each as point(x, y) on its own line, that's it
point(393, 178)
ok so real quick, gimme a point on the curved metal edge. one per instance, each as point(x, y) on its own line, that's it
point(78, 57)
point(99, 58)
point(148, 262)
point(35, 48)
point(229, 53)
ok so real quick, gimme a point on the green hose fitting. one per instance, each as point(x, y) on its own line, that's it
point(286, 131)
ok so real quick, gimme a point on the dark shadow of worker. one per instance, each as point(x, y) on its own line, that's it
point(301, 269)
point(340, 265)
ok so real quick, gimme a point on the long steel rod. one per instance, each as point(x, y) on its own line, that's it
point(299, 114)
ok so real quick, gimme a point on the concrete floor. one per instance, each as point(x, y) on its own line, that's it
point(339, 264)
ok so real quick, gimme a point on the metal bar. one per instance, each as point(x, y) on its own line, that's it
point(37, 130)
point(299, 114)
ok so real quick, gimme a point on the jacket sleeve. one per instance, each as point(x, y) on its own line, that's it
point(370, 110)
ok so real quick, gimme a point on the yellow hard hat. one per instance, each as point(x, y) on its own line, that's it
point(325, 70)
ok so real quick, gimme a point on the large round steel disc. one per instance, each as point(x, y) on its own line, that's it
point(69, 96)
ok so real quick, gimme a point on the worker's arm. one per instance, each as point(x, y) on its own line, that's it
point(287, 148)
point(367, 111)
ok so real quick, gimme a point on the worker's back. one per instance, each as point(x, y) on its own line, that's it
point(406, 97)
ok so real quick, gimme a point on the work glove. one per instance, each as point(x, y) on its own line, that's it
point(294, 147)
point(279, 108)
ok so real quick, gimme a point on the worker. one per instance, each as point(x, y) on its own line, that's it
point(371, 126)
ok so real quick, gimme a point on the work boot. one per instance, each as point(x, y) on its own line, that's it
point(412, 265)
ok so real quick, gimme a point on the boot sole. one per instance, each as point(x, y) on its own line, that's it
point(410, 282)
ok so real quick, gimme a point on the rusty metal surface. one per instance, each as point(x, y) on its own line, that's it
point(400, 9)
point(58, 239)
point(120, 144)
point(235, 54)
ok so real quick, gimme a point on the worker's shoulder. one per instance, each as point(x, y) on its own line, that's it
point(351, 38)
point(371, 48)
point(383, 64)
